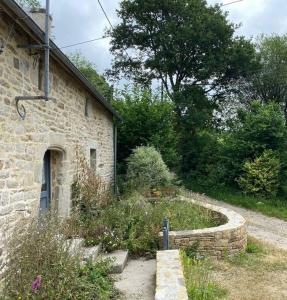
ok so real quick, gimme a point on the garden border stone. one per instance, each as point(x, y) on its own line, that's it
point(170, 282)
point(227, 239)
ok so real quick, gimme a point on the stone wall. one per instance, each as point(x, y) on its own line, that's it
point(61, 125)
point(227, 239)
point(170, 282)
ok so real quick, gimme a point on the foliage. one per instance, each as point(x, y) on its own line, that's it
point(146, 169)
point(269, 83)
point(37, 249)
point(199, 283)
point(88, 69)
point(29, 4)
point(147, 121)
point(261, 176)
point(138, 222)
point(204, 164)
point(191, 48)
point(259, 128)
point(133, 222)
point(96, 279)
point(179, 42)
point(271, 206)
point(194, 112)
point(89, 192)
point(252, 257)
point(253, 246)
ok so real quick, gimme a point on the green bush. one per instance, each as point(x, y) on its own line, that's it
point(147, 169)
point(148, 120)
point(256, 129)
point(261, 176)
point(38, 254)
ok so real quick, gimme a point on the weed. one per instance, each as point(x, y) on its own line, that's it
point(199, 283)
point(40, 266)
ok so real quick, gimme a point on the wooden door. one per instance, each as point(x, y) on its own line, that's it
point(45, 198)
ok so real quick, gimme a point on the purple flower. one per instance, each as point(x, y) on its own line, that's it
point(37, 283)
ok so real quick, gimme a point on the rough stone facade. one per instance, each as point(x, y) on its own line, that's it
point(73, 120)
point(216, 242)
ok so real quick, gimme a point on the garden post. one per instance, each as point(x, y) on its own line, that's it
point(165, 233)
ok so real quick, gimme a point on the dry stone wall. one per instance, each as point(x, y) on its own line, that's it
point(227, 239)
point(170, 282)
point(61, 125)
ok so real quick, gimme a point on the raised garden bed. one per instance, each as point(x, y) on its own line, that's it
point(227, 239)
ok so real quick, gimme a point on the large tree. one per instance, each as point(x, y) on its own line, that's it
point(269, 84)
point(192, 49)
point(179, 42)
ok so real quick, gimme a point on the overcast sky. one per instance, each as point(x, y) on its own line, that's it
point(75, 21)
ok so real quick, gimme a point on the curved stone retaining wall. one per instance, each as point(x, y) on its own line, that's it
point(227, 239)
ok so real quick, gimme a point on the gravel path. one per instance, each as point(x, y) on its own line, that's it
point(137, 282)
point(267, 229)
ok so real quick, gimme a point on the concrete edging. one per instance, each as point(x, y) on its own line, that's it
point(224, 240)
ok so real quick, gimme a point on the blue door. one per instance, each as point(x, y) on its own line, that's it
point(45, 198)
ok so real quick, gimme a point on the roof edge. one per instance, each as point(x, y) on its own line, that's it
point(56, 51)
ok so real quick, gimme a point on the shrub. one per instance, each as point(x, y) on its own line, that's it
point(148, 120)
point(89, 192)
point(40, 266)
point(147, 169)
point(261, 176)
point(134, 223)
point(260, 127)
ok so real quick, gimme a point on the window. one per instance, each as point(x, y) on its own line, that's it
point(93, 159)
point(88, 108)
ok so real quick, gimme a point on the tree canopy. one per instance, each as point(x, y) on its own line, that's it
point(179, 42)
point(88, 69)
point(269, 84)
point(148, 121)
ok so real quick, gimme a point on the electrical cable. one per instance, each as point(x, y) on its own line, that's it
point(105, 14)
point(233, 2)
point(84, 42)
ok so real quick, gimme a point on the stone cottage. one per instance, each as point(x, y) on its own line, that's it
point(38, 153)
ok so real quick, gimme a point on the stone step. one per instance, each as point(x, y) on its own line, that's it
point(119, 260)
point(91, 252)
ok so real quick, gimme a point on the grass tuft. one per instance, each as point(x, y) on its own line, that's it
point(198, 278)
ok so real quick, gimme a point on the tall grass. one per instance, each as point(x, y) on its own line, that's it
point(198, 279)
point(40, 266)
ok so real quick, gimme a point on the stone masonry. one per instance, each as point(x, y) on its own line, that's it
point(216, 242)
point(61, 125)
point(170, 282)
